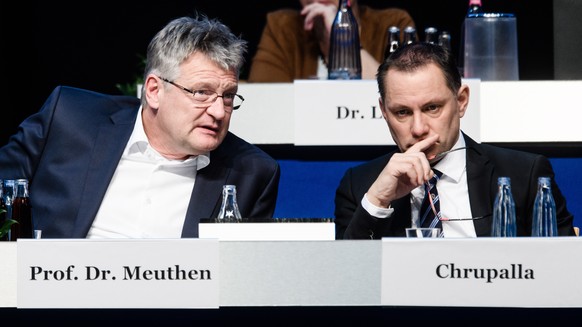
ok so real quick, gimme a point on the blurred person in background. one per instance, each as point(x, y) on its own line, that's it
point(295, 43)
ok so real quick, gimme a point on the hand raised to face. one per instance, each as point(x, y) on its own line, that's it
point(404, 172)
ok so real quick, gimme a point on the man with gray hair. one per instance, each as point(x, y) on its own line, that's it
point(104, 166)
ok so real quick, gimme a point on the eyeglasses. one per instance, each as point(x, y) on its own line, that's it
point(441, 155)
point(441, 218)
point(232, 101)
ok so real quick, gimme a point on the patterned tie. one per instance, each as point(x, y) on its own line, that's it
point(426, 214)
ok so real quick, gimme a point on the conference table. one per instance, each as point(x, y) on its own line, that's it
point(303, 276)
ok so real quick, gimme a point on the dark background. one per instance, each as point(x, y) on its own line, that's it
point(96, 45)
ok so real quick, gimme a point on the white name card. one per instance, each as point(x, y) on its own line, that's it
point(484, 272)
point(8, 273)
point(339, 113)
point(81, 273)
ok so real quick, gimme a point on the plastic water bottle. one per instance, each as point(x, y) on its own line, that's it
point(344, 47)
point(504, 210)
point(544, 211)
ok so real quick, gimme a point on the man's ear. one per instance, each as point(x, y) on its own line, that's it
point(152, 89)
point(463, 99)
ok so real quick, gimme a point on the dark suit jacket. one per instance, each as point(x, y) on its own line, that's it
point(69, 151)
point(485, 163)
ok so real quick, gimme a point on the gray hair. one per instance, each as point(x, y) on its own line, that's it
point(181, 37)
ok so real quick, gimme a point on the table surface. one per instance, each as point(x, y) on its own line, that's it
point(348, 273)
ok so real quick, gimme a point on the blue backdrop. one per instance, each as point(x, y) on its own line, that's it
point(307, 188)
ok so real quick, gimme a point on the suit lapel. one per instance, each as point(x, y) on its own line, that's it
point(479, 174)
point(110, 142)
point(203, 201)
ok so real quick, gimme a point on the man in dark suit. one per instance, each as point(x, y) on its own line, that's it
point(423, 100)
point(103, 166)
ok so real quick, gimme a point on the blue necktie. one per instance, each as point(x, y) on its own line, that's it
point(426, 214)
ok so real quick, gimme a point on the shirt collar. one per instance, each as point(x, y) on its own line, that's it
point(139, 146)
point(453, 164)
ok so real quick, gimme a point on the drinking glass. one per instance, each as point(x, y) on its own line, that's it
point(423, 232)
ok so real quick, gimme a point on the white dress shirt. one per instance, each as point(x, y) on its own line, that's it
point(148, 195)
point(453, 196)
point(322, 72)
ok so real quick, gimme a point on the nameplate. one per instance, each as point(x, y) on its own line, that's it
point(8, 274)
point(339, 113)
point(80, 273)
point(489, 272)
point(348, 113)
